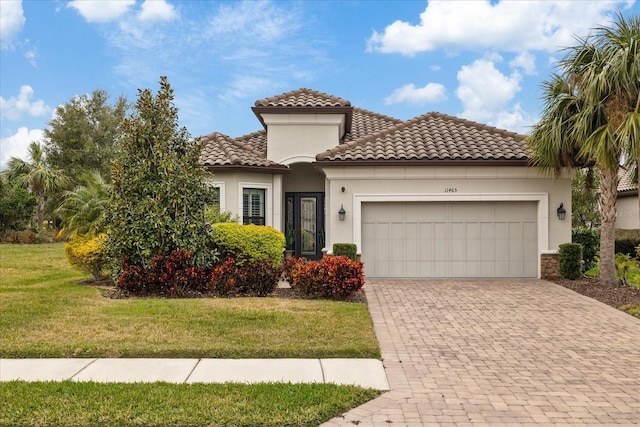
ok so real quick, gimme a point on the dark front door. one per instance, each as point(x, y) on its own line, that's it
point(304, 223)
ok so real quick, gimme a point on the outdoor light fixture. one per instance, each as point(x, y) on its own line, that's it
point(341, 213)
point(561, 211)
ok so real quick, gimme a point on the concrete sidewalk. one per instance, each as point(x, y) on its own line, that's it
point(367, 373)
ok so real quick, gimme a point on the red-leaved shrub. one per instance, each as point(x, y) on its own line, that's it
point(335, 277)
point(172, 275)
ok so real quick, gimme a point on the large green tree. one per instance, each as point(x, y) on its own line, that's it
point(591, 117)
point(35, 174)
point(17, 206)
point(82, 134)
point(159, 194)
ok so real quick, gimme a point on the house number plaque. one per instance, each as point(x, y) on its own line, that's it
point(450, 190)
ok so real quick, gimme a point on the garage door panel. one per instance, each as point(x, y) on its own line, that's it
point(450, 239)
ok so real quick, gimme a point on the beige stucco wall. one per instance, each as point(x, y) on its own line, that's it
point(299, 137)
point(232, 183)
point(627, 212)
point(303, 178)
point(362, 184)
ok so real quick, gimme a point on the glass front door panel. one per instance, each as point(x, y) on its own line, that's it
point(308, 225)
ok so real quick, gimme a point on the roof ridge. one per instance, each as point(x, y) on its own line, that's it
point(379, 115)
point(265, 102)
point(478, 125)
point(363, 139)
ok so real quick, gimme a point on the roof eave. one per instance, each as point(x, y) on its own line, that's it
point(281, 169)
point(431, 162)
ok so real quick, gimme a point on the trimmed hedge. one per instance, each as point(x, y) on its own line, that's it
point(346, 249)
point(248, 243)
point(570, 259)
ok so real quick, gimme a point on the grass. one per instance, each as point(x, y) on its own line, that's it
point(47, 312)
point(162, 404)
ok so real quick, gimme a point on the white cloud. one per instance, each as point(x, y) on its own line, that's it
point(431, 93)
point(156, 10)
point(246, 86)
point(16, 107)
point(100, 10)
point(484, 90)
point(11, 22)
point(516, 120)
point(526, 62)
point(17, 145)
point(31, 55)
point(506, 25)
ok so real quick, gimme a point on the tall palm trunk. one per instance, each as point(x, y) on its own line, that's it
point(607, 202)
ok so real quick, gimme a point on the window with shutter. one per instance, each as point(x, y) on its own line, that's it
point(253, 206)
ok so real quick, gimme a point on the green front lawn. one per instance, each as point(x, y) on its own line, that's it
point(48, 312)
point(161, 404)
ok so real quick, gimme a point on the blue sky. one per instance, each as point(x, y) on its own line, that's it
point(480, 60)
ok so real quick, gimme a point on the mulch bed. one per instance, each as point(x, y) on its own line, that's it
point(589, 286)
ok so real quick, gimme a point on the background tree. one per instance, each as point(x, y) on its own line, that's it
point(584, 201)
point(82, 209)
point(17, 206)
point(591, 119)
point(82, 134)
point(158, 193)
point(38, 177)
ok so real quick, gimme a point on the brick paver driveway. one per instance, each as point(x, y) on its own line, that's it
point(506, 352)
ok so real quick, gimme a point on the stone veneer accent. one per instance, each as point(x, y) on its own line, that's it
point(549, 265)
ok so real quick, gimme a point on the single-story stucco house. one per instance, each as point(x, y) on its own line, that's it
point(434, 196)
point(627, 201)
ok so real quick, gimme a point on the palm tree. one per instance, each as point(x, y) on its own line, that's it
point(36, 176)
point(82, 208)
point(591, 118)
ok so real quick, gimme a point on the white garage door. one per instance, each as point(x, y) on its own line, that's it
point(450, 239)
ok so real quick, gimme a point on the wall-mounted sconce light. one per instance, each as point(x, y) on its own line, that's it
point(343, 189)
point(561, 211)
point(341, 213)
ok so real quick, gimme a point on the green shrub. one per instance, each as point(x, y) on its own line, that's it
point(213, 215)
point(248, 243)
point(570, 259)
point(590, 241)
point(624, 265)
point(88, 253)
point(627, 241)
point(346, 249)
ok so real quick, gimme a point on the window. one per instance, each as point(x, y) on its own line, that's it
point(215, 202)
point(253, 206)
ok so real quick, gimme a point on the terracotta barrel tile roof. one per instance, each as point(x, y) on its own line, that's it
point(433, 136)
point(625, 180)
point(222, 150)
point(303, 98)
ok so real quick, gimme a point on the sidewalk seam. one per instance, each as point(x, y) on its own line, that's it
point(83, 368)
point(324, 380)
point(191, 371)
